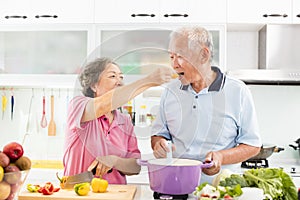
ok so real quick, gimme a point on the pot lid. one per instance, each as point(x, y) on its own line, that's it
point(175, 162)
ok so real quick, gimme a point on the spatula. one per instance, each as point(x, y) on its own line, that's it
point(78, 178)
point(52, 125)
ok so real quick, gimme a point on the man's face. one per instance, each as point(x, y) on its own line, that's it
point(183, 60)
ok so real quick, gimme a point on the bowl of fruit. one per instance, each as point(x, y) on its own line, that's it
point(14, 169)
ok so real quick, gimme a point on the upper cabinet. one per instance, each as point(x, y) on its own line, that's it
point(296, 11)
point(157, 11)
point(126, 11)
point(45, 11)
point(259, 11)
point(193, 11)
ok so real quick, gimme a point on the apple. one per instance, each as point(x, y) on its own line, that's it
point(12, 174)
point(13, 150)
point(4, 160)
point(4, 190)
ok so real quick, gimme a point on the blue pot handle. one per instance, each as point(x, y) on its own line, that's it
point(207, 164)
point(142, 162)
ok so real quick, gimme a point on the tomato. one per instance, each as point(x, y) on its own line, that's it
point(228, 197)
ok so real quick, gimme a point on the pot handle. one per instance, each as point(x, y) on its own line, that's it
point(278, 149)
point(142, 162)
point(207, 164)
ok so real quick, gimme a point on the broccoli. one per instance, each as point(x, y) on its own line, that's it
point(233, 180)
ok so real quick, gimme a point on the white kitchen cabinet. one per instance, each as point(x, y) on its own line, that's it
point(44, 11)
point(160, 11)
point(296, 12)
point(193, 11)
point(259, 11)
point(127, 11)
point(44, 49)
point(139, 50)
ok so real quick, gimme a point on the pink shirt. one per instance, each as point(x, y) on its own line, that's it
point(86, 141)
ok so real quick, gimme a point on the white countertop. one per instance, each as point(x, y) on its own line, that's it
point(39, 176)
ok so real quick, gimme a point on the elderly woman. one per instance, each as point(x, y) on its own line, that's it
point(98, 136)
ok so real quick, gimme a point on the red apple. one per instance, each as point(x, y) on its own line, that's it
point(4, 160)
point(12, 174)
point(13, 150)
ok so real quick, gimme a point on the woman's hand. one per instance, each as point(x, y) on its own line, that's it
point(217, 158)
point(103, 164)
point(162, 75)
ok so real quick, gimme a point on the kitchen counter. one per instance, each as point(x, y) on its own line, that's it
point(41, 176)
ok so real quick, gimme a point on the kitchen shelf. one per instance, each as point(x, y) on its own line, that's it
point(39, 81)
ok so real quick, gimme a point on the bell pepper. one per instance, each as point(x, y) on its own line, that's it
point(32, 188)
point(82, 189)
point(99, 185)
point(48, 189)
point(62, 180)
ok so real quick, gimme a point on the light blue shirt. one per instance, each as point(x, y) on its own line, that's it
point(218, 117)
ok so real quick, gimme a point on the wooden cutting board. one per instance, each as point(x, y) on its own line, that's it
point(124, 192)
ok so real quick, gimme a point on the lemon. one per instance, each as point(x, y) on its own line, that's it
point(1, 173)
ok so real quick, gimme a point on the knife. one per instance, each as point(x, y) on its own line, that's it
point(78, 178)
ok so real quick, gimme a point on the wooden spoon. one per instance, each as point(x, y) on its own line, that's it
point(52, 125)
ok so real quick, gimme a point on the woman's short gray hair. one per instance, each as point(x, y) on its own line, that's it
point(90, 74)
point(197, 38)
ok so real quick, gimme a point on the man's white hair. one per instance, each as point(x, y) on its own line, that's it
point(197, 36)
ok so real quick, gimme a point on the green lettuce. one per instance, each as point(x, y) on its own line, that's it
point(273, 181)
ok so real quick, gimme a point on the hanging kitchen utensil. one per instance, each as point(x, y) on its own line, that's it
point(52, 125)
point(4, 104)
point(44, 120)
point(12, 103)
point(28, 118)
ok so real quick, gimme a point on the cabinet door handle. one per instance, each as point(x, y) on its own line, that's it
point(275, 15)
point(143, 15)
point(298, 15)
point(16, 16)
point(46, 16)
point(176, 15)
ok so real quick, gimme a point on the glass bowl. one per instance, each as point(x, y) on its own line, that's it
point(12, 183)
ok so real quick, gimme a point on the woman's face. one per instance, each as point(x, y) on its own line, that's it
point(109, 79)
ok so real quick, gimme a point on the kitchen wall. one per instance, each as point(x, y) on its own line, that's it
point(278, 106)
point(278, 109)
point(25, 127)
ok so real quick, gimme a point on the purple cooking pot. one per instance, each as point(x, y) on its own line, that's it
point(178, 176)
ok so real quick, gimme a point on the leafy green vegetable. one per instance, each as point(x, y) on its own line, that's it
point(273, 181)
point(233, 180)
point(234, 191)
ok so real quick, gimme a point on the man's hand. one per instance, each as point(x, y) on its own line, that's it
point(159, 146)
point(217, 158)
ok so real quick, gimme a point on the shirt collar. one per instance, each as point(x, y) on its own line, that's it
point(216, 85)
point(118, 120)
